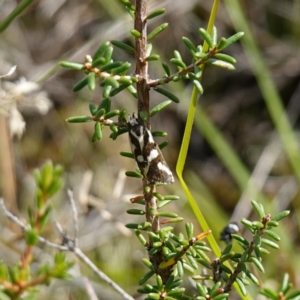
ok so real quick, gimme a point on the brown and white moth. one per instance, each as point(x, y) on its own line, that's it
point(147, 153)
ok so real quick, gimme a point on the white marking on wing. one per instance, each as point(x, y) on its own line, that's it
point(153, 154)
point(140, 158)
point(140, 138)
point(151, 139)
point(164, 168)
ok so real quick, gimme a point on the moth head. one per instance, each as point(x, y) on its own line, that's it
point(133, 120)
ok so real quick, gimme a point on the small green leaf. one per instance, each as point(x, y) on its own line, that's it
point(100, 51)
point(206, 36)
point(270, 243)
point(133, 174)
point(146, 277)
point(252, 278)
point(80, 85)
point(123, 46)
point(166, 93)
point(220, 63)
point(272, 235)
point(92, 108)
point(154, 296)
point(203, 256)
point(110, 65)
point(167, 69)
point(201, 289)
point(106, 91)
point(158, 196)
point(258, 224)
point(132, 91)
point(157, 245)
point(179, 267)
point(257, 264)
point(128, 4)
point(289, 286)
point(285, 282)
point(227, 249)
point(222, 43)
point(147, 263)
point(98, 62)
point(100, 113)
point(156, 31)
point(79, 119)
point(171, 197)
point(71, 65)
point(246, 222)
point(214, 35)
point(176, 78)
point(167, 214)
point(293, 296)
point(159, 283)
point(188, 268)
point(111, 114)
point(135, 212)
point(230, 40)
point(126, 80)
point(177, 55)
point(92, 81)
point(272, 224)
point(156, 13)
point(118, 90)
point(269, 294)
point(189, 227)
point(163, 145)
point(105, 104)
point(214, 289)
point(240, 239)
point(127, 154)
point(98, 131)
point(198, 86)
point(189, 44)
point(227, 256)
point(225, 57)
point(159, 107)
point(152, 57)
point(143, 115)
point(172, 284)
point(176, 293)
point(241, 286)
point(108, 54)
point(192, 261)
point(280, 216)
point(178, 63)
point(159, 133)
point(258, 209)
point(31, 237)
point(132, 226)
point(122, 69)
point(135, 33)
point(163, 203)
point(263, 250)
point(112, 82)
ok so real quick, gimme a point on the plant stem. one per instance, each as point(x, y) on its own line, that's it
point(140, 24)
point(18, 10)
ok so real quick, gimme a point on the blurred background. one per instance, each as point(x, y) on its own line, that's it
point(235, 152)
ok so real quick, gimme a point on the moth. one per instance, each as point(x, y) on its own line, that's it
point(147, 153)
point(229, 229)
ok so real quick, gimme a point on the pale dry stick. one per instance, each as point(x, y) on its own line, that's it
point(89, 288)
point(75, 217)
point(69, 245)
point(14, 219)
